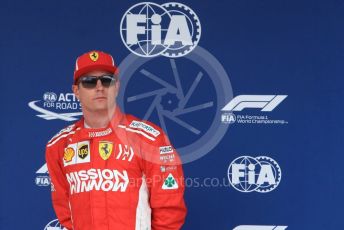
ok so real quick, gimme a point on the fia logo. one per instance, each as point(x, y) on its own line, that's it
point(42, 176)
point(171, 29)
point(125, 153)
point(260, 174)
point(50, 97)
point(228, 118)
point(54, 225)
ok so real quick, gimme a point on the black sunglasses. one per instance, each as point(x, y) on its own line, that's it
point(90, 82)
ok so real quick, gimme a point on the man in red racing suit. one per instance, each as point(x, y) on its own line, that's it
point(118, 176)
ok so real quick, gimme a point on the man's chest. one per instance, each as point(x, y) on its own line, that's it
point(106, 163)
point(102, 152)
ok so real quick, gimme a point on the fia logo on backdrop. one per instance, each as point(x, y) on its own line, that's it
point(171, 29)
point(42, 176)
point(260, 174)
point(54, 225)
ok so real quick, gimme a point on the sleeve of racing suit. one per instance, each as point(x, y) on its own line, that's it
point(165, 182)
point(59, 187)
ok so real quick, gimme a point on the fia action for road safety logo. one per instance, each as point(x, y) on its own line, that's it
point(105, 149)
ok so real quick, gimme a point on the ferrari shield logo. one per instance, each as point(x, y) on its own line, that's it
point(94, 56)
point(105, 149)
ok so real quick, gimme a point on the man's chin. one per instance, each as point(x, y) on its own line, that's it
point(103, 108)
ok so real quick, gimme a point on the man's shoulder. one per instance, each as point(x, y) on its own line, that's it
point(143, 128)
point(62, 135)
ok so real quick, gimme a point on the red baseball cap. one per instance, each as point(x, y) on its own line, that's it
point(94, 60)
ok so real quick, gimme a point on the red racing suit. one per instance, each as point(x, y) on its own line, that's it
point(124, 176)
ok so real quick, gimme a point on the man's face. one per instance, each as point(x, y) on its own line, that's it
point(98, 98)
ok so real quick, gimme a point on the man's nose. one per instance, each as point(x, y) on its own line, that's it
point(99, 84)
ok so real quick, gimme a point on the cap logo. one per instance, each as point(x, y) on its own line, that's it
point(94, 56)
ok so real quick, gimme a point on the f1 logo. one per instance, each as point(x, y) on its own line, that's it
point(259, 227)
point(266, 102)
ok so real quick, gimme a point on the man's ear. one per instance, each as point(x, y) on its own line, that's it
point(75, 89)
point(118, 84)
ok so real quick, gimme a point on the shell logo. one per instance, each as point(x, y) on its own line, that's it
point(68, 154)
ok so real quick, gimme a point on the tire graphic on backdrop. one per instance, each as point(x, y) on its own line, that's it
point(170, 101)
